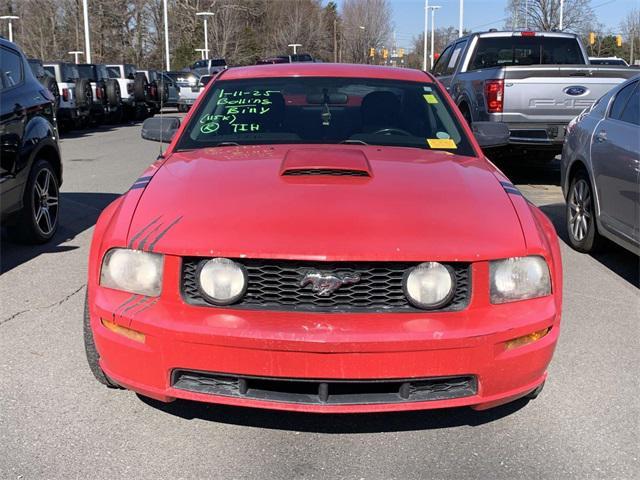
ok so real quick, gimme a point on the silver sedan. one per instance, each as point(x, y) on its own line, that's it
point(601, 171)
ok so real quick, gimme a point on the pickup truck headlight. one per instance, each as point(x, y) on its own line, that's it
point(519, 278)
point(133, 271)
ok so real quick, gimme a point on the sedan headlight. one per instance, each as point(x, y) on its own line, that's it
point(133, 271)
point(221, 281)
point(519, 278)
point(429, 285)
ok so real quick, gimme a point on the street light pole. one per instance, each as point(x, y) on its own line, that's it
point(206, 39)
point(87, 41)
point(364, 43)
point(426, 29)
point(295, 47)
point(433, 30)
point(461, 19)
point(166, 34)
point(75, 54)
point(201, 50)
point(561, 13)
point(10, 18)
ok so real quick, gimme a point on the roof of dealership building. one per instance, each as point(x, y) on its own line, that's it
point(304, 69)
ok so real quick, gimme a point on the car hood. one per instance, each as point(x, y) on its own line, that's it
point(378, 203)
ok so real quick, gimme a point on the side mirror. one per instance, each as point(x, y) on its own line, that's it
point(491, 134)
point(160, 129)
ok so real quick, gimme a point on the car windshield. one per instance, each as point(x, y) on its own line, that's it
point(526, 50)
point(87, 71)
point(218, 62)
point(325, 110)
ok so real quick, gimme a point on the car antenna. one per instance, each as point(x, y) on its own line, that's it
point(161, 155)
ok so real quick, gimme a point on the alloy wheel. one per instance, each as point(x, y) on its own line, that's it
point(580, 211)
point(45, 202)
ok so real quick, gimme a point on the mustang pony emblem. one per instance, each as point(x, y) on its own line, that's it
point(324, 284)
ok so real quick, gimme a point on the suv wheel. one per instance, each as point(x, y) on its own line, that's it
point(581, 220)
point(38, 220)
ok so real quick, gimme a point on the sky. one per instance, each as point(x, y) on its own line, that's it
point(408, 15)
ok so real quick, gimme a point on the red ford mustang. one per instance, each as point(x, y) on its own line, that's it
point(325, 238)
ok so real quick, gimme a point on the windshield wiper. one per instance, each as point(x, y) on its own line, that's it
point(351, 141)
point(226, 144)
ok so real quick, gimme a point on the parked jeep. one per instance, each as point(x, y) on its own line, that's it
point(133, 90)
point(75, 95)
point(161, 91)
point(106, 102)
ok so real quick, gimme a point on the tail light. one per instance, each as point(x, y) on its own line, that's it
point(528, 34)
point(98, 91)
point(494, 93)
point(65, 94)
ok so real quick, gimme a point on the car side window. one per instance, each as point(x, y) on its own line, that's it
point(441, 65)
point(454, 60)
point(619, 103)
point(631, 113)
point(11, 67)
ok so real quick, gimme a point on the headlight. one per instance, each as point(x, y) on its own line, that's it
point(429, 285)
point(519, 278)
point(132, 271)
point(222, 281)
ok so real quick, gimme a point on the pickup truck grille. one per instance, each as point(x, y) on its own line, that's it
point(275, 285)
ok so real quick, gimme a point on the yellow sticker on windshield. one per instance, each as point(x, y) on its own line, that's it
point(430, 98)
point(441, 143)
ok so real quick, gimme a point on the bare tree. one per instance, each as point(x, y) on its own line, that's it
point(630, 27)
point(366, 24)
point(544, 15)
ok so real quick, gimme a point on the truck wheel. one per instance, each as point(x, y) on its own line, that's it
point(37, 222)
point(50, 84)
point(84, 95)
point(92, 354)
point(580, 215)
point(140, 87)
point(113, 92)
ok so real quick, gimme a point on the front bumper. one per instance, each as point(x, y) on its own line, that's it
point(318, 346)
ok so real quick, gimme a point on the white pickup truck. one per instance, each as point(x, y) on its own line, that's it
point(535, 82)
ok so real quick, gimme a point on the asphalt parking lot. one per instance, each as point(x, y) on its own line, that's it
point(56, 421)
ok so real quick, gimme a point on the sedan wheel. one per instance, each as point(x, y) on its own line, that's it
point(37, 222)
point(581, 226)
point(45, 202)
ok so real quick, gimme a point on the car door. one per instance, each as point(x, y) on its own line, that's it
point(447, 76)
point(13, 117)
point(615, 158)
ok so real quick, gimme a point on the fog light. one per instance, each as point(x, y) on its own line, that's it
point(526, 339)
point(124, 331)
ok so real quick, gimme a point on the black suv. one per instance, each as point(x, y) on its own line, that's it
point(30, 165)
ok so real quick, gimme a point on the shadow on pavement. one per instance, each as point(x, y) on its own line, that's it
point(335, 423)
point(78, 212)
point(521, 171)
point(620, 261)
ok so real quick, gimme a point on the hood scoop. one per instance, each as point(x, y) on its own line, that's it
point(319, 162)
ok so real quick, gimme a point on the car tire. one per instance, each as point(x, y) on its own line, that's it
point(580, 215)
point(140, 87)
point(84, 95)
point(532, 395)
point(37, 222)
point(113, 93)
point(50, 84)
point(93, 357)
